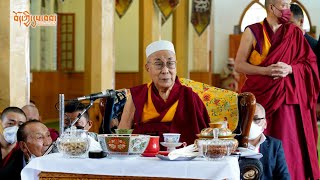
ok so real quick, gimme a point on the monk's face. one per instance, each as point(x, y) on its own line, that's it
point(38, 139)
point(161, 66)
point(278, 5)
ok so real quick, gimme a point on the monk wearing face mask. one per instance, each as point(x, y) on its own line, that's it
point(273, 160)
point(282, 73)
point(11, 155)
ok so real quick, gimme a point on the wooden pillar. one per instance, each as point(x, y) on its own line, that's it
point(201, 49)
point(180, 37)
point(99, 48)
point(149, 31)
point(35, 38)
point(14, 56)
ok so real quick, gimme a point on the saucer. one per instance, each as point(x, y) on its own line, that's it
point(171, 146)
point(149, 154)
point(166, 144)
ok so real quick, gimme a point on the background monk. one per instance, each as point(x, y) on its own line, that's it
point(297, 18)
point(11, 155)
point(282, 73)
point(164, 105)
point(32, 113)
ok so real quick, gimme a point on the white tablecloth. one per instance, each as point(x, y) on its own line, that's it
point(198, 168)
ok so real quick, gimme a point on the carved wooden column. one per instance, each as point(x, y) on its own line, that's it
point(35, 38)
point(99, 49)
point(14, 56)
point(201, 49)
point(149, 31)
point(180, 37)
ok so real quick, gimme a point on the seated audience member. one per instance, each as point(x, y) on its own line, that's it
point(164, 105)
point(11, 155)
point(32, 112)
point(273, 160)
point(72, 110)
point(34, 140)
point(297, 18)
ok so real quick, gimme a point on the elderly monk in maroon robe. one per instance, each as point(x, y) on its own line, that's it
point(164, 105)
point(282, 73)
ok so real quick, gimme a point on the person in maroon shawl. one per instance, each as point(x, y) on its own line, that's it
point(32, 113)
point(164, 105)
point(11, 162)
point(282, 73)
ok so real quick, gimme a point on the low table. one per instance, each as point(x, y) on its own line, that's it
point(55, 166)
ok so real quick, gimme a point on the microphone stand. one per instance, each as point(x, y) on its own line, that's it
point(81, 114)
point(61, 113)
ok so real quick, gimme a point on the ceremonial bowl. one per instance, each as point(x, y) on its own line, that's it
point(124, 145)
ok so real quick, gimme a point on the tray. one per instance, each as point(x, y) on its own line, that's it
point(166, 158)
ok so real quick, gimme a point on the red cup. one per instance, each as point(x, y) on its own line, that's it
point(153, 147)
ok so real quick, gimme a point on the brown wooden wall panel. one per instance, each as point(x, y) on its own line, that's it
point(204, 77)
point(234, 42)
point(46, 87)
point(216, 80)
point(127, 79)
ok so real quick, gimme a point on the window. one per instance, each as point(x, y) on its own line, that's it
point(65, 42)
point(256, 13)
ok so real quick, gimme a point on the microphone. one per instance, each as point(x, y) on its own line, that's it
point(103, 94)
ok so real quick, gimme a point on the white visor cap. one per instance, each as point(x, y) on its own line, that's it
point(158, 46)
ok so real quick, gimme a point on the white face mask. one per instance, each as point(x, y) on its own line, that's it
point(255, 131)
point(31, 156)
point(10, 134)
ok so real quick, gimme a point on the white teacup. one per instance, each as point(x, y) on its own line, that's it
point(171, 137)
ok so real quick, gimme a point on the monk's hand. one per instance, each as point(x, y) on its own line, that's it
point(114, 122)
point(280, 70)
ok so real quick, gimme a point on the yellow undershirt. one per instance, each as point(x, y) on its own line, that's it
point(256, 58)
point(150, 112)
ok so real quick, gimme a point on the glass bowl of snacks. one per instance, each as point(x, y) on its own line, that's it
point(74, 143)
point(216, 149)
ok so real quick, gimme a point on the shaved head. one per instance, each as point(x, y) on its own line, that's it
point(260, 108)
point(268, 2)
point(31, 112)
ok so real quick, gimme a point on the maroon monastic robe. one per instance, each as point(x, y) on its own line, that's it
point(189, 119)
point(290, 102)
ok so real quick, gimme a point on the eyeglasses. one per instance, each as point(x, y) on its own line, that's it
point(159, 64)
point(257, 119)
